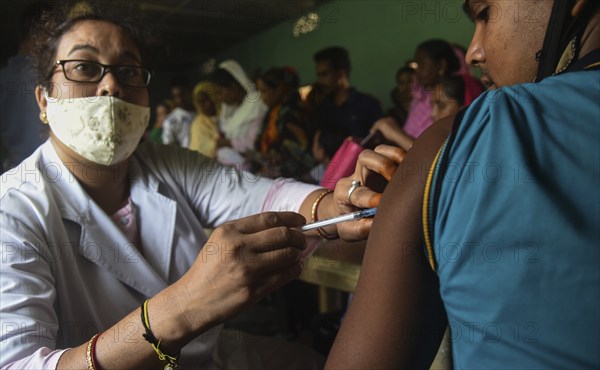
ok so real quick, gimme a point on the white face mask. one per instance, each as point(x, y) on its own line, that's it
point(102, 129)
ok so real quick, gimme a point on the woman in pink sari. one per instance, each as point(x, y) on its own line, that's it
point(435, 60)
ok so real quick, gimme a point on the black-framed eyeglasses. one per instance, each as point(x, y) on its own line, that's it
point(80, 70)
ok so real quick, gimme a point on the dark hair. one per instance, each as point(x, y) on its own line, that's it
point(280, 76)
point(52, 25)
point(454, 88)
point(32, 12)
point(405, 70)
point(439, 50)
point(336, 56)
point(463, 89)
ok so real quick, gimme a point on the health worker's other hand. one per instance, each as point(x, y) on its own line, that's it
point(373, 171)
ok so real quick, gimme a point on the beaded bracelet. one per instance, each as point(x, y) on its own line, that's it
point(90, 353)
point(314, 218)
point(150, 338)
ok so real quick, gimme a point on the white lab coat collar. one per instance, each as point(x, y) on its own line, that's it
point(101, 240)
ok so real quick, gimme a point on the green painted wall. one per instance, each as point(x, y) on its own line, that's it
point(379, 34)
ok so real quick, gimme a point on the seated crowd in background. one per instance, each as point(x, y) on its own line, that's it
point(264, 126)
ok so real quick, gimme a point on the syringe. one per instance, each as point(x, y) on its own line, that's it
point(369, 212)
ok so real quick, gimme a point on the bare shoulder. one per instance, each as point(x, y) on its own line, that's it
point(397, 289)
point(409, 181)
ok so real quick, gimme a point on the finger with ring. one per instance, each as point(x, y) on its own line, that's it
point(353, 186)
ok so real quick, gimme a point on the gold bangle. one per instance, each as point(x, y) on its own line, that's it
point(315, 218)
point(90, 352)
point(313, 214)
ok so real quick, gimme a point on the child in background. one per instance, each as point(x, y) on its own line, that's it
point(162, 110)
point(449, 95)
point(323, 149)
point(453, 93)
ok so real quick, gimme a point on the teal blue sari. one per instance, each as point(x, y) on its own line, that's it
point(512, 220)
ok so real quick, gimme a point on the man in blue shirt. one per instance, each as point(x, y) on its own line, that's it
point(344, 109)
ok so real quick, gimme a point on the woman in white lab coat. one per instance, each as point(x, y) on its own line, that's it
point(105, 263)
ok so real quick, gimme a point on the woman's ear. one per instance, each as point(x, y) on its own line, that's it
point(579, 5)
point(40, 98)
point(42, 103)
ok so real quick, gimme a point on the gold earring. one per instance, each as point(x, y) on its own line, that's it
point(44, 118)
point(567, 57)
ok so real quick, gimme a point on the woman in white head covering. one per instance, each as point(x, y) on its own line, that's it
point(242, 111)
